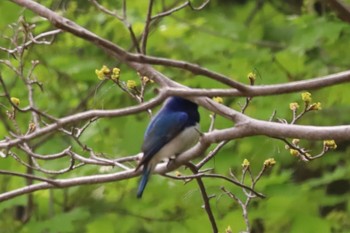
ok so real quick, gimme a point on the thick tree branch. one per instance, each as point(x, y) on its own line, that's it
point(266, 90)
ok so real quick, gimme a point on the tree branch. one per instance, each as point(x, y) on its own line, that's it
point(267, 90)
point(147, 26)
point(205, 197)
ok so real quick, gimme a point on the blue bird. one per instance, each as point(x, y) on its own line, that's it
point(172, 131)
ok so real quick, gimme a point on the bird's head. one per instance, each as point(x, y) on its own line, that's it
point(176, 103)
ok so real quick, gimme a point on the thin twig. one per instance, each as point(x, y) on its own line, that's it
point(211, 154)
point(146, 28)
point(11, 173)
point(122, 18)
point(205, 198)
point(35, 40)
point(106, 11)
point(243, 206)
point(26, 148)
point(26, 109)
point(180, 7)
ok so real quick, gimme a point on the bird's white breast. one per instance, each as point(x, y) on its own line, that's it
point(182, 142)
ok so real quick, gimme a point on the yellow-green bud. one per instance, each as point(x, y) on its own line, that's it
point(245, 163)
point(306, 97)
point(15, 101)
point(251, 76)
point(293, 106)
point(330, 144)
point(295, 141)
point(178, 174)
point(131, 84)
point(294, 152)
point(115, 73)
point(146, 79)
point(316, 106)
point(269, 162)
point(218, 100)
point(102, 72)
point(105, 69)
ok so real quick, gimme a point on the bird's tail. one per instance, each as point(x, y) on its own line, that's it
point(144, 179)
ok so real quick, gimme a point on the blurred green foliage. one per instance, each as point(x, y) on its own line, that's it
point(277, 43)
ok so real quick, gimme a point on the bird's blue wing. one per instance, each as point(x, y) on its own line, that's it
point(162, 129)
